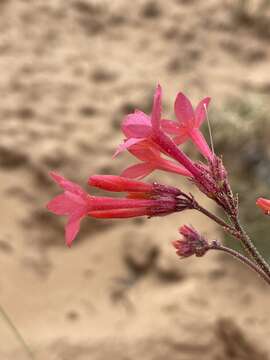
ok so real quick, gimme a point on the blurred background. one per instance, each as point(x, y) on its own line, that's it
point(70, 70)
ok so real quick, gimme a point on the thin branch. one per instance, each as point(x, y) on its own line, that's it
point(215, 218)
point(215, 245)
point(250, 248)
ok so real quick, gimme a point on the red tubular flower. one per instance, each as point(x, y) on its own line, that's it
point(119, 184)
point(138, 126)
point(142, 200)
point(264, 204)
point(192, 243)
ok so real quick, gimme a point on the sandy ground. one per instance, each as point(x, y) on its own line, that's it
point(70, 70)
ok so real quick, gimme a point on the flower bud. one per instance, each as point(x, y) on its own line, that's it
point(192, 243)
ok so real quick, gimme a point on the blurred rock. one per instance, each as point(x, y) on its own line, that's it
point(151, 10)
point(236, 343)
point(6, 247)
point(169, 267)
point(11, 156)
point(140, 251)
point(101, 75)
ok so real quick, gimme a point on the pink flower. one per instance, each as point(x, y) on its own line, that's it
point(142, 199)
point(189, 122)
point(152, 160)
point(141, 128)
point(138, 126)
point(72, 203)
point(192, 243)
point(148, 142)
point(264, 204)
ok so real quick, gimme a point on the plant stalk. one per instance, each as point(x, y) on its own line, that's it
point(216, 246)
point(251, 249)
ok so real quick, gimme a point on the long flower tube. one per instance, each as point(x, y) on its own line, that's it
point(142, 199)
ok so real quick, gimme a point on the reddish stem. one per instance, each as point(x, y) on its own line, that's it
point(216, 246)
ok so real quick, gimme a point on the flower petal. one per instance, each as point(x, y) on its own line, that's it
point(138, 171)
point(200, 112)
point(170, 127)
point(73, 226)
point(184, 110)
point(199, 140)
point(62, 205)
point(180, 139)
point(126, 145)
point(67, 185)
point(145, 151)
point(167, 165)
point(136, 125)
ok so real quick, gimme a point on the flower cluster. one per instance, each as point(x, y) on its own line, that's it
point(154, 142)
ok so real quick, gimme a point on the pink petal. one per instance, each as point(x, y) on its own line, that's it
point(145, 151)
point(180, 139)
point(138, 170)
point(184, 111)
point(67, 185)
point(136, 125)
point(200, 112)
point(199, 140)
point(170, 127)
point(126, 145)
point(61, 205)
point(73, 226)
point(169, 166)
point(156, 109)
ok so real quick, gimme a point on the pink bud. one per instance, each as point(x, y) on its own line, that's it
point(192, 243)
point(118, 184)
point(264, 204)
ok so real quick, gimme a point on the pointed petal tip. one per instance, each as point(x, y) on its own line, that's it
point(206, 101)
point(69, 243)
point(159, 88)
point(54, 175)
point(184, 110)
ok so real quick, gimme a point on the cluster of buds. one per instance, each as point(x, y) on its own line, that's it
point(154, 142)
point(192, 243)
point(215, 184)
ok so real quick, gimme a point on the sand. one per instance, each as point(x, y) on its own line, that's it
point(70, 70)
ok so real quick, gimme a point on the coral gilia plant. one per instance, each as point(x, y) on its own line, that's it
point(155, 141)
